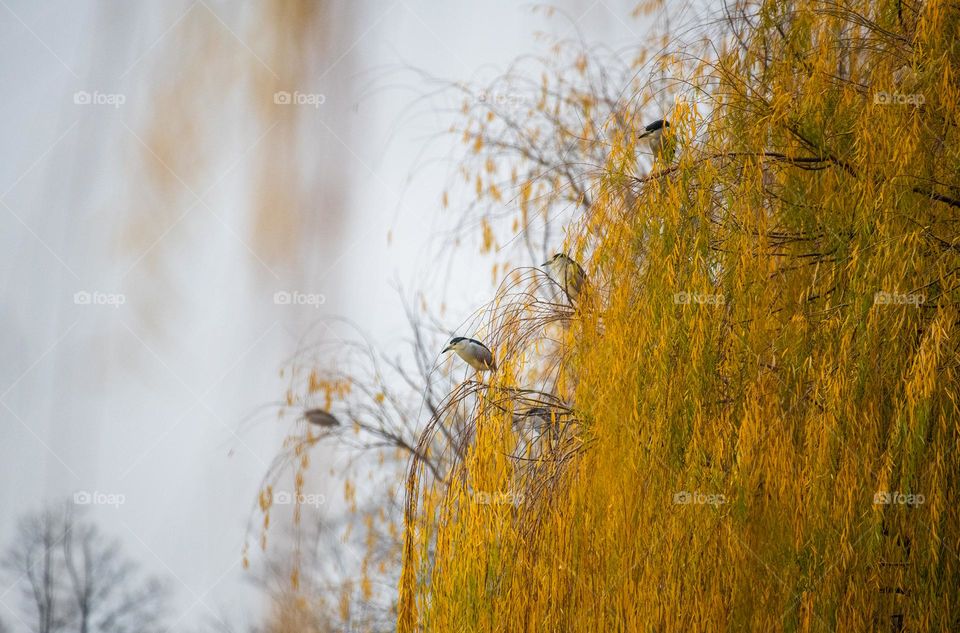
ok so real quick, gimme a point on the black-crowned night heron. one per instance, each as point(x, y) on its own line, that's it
point(321, 418)
point(665, 148)
point(654, 134)
point(475, 353)
point(568, 273)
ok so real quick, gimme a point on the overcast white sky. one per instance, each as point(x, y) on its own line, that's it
point(139, 399)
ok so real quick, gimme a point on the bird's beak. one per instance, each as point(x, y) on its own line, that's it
point(446, 349)
point(547, 263)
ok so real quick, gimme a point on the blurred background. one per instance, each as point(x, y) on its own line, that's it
point(186, 190)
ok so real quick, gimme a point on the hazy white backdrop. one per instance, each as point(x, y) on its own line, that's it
point(161, 209)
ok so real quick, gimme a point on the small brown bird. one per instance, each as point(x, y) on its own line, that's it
point(321, 418)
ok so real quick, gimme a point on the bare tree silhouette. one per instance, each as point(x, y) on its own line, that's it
point(74, 577)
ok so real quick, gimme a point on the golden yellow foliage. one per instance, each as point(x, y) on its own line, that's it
point(759, 396)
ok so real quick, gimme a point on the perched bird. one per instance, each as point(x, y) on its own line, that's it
point(654, 134)
point(319, 417)
point(475, 353)
point(568, 273)
point(665, 148)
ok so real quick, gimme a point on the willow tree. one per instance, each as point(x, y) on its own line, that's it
point(523, 164)
point(752, 411)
